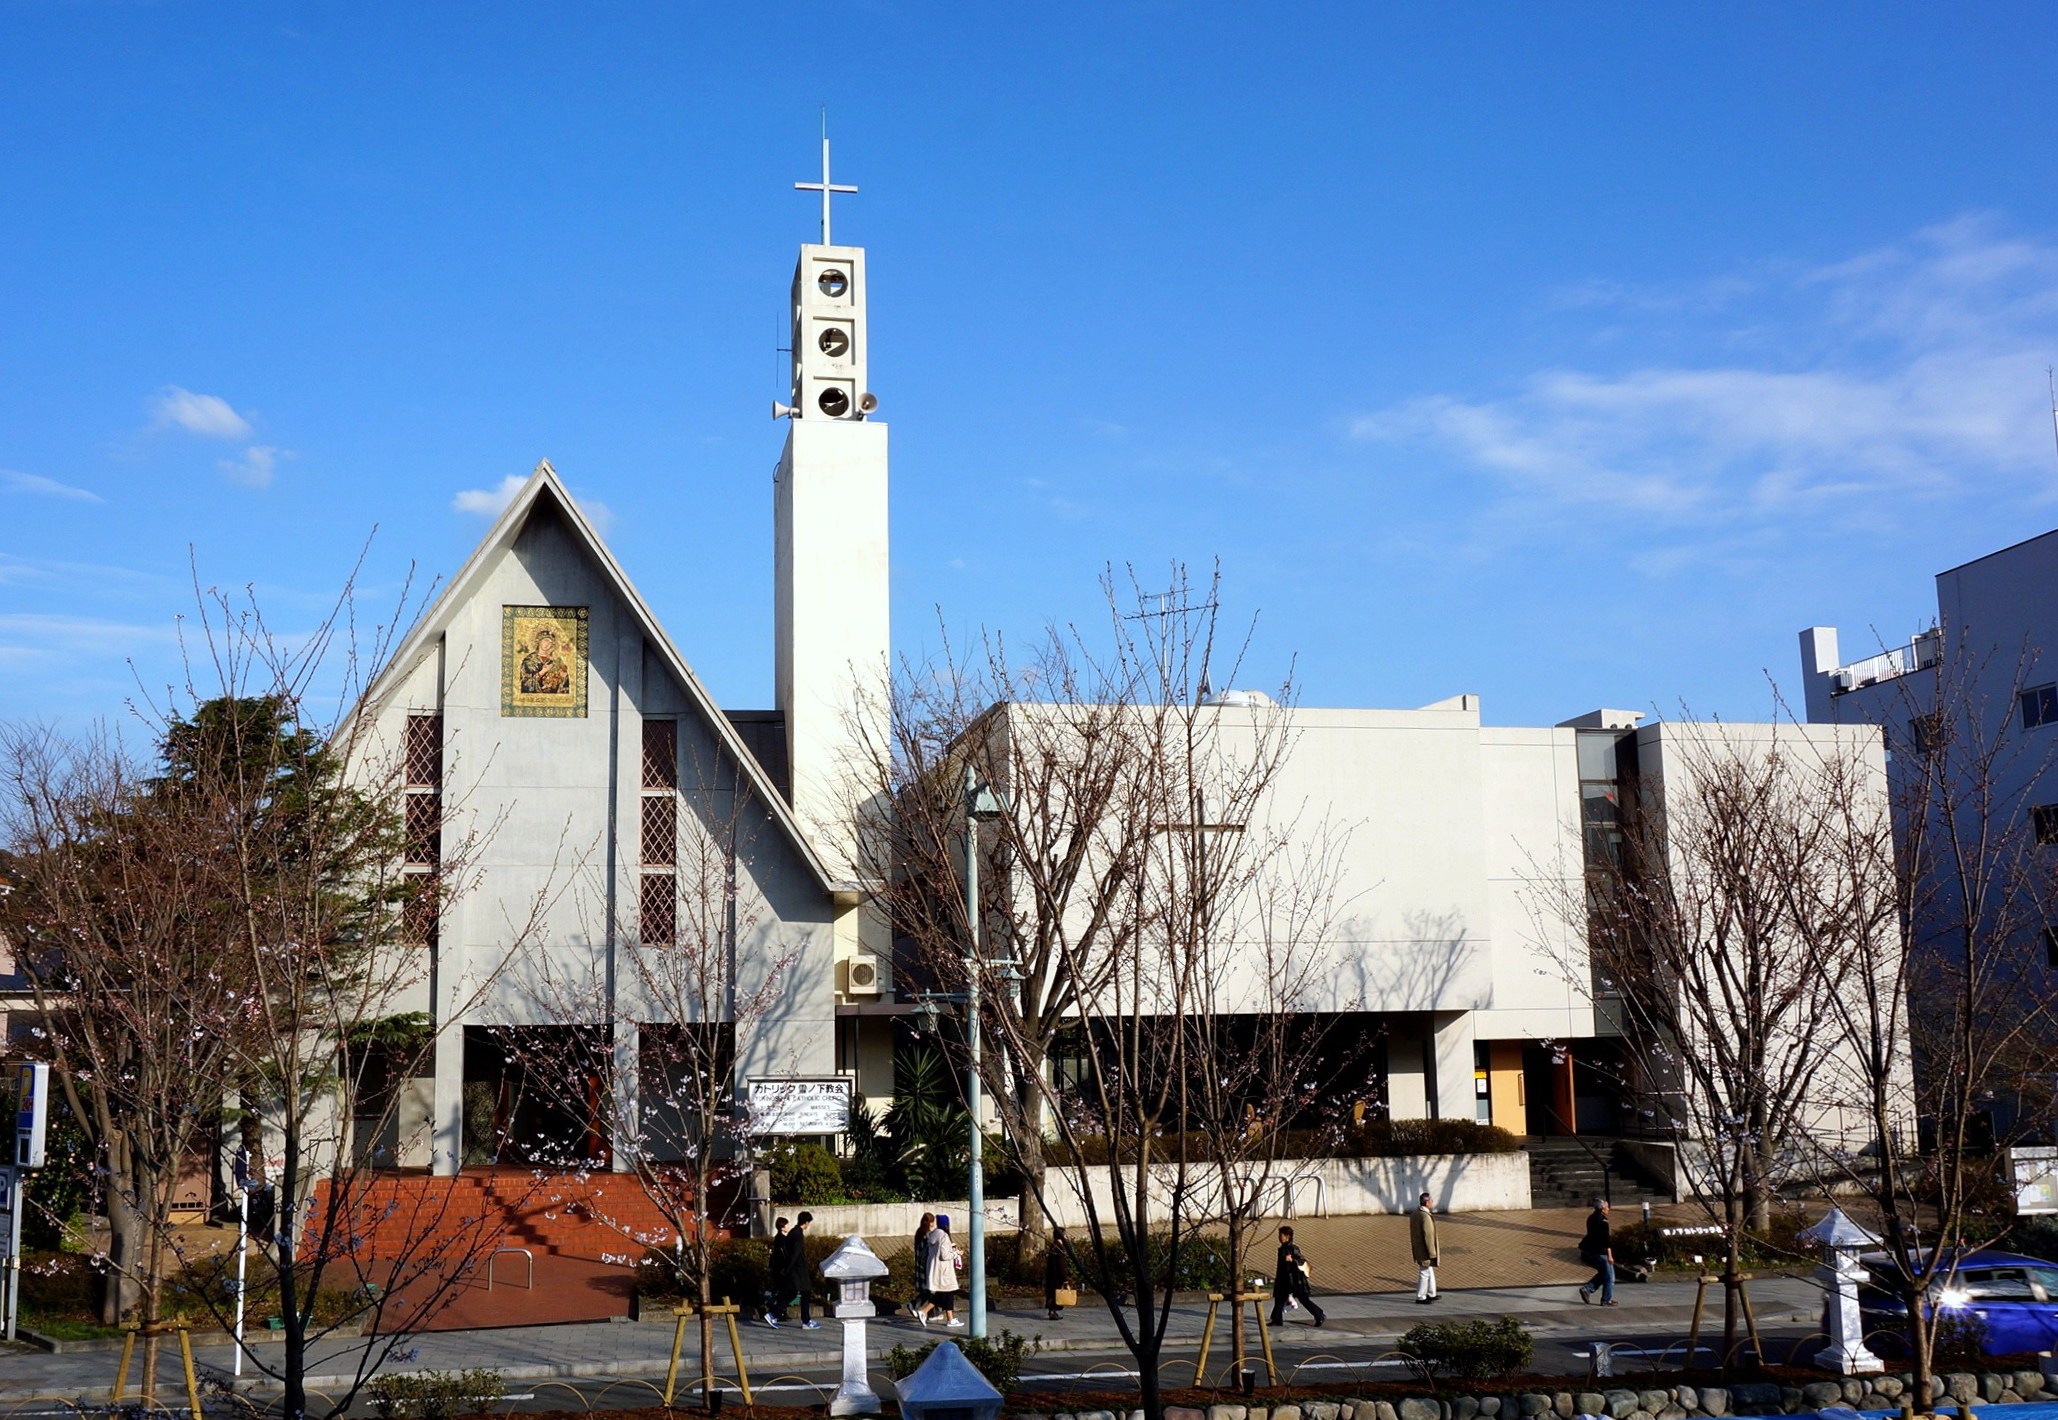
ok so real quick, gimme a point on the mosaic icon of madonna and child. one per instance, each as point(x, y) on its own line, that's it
point(543, 660)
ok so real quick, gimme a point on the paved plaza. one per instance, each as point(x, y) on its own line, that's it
point(1516, 1264)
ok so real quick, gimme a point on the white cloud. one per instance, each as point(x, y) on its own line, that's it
point(489, 502)
point(207, 415)
point(36, 484)
point(254, 467)
point(599, 514)
point(1909, 373)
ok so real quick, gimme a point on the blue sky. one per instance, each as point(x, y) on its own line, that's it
point(1571, 355)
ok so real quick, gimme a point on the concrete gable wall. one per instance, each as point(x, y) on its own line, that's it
point(557, 804)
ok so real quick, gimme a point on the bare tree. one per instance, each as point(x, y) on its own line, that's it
point(1138, 892)
point(1706, 929)
point(118, 922)
point(245, 937)
point(702, 969)
point(337, 876)
point(1944, 905)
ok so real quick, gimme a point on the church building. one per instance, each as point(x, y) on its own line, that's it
point(556, 738)
point(550, 725)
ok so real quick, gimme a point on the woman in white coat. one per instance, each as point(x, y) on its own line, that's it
point(944, 1262)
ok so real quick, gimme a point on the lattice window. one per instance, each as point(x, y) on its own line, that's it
point(424, 830)
point(658, 910)
point(424, 751)
point(660, 830)
point(421, 913)
point(422, 827)
point(658, 898)
point(660, 754)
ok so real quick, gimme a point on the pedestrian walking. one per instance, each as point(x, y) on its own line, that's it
point(775, 1275)
point(798, 1281)
point(1422, 1241)
point(1290, 1281)
point(918, 1305)
point(944, 1262)
point(1597, 1250)
point(1057, 1272)
point(789, 1274)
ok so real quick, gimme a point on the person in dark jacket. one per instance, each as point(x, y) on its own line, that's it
point(788, 1271)
point(797, 1279)
point(1057, 1271)
point(775, 1275)
point(1597, 1250)
point(1290, 1279)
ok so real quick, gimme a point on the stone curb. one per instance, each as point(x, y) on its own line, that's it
point(1881, 1392)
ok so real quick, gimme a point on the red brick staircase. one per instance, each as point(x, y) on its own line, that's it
point(585, 1233)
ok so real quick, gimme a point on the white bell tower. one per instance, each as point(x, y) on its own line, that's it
point(830, 514)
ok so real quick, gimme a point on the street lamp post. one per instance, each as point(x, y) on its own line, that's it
point(982, 805)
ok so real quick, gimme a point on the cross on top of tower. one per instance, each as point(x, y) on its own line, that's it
point(825, 187)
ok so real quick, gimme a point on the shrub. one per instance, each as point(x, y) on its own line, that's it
point(1476, 1350)
point(1401, 1138)
point(998, 1359)
point(1203, 1263)
point(1777, 1246)
point(806, 1174)
point(738, 1270)
point(59, 1284)
point(2035, 1236)
point(435, 1395)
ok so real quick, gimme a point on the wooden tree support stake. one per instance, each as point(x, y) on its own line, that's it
point(1256, 1301)
point(128, 1354)
point(726, 1310)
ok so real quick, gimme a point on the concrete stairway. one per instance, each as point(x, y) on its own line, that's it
point(1571, 1173)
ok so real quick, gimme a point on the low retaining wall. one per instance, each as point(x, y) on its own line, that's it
point(880, 1223)
point(1883, 1392)
point(1297, 1188)
point(1323, 1188)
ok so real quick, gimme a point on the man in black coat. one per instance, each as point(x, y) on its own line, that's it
point(776, 1270)
point(1290, 1279)
point(795, 1281)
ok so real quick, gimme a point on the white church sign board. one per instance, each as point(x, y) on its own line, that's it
point(811, 1106)
point(2036, 1180)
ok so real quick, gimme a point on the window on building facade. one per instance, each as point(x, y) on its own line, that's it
point(2039, 706)
point(1926, 732)
point(2044, 818)
point(658, 898)
point(2051, 946)
point(421, 826)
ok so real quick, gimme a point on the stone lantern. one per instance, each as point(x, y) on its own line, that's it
point(1841, 1240)
point(853, 1267)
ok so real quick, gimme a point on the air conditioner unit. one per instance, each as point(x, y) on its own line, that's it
point(862, 977)
point(1843, 679)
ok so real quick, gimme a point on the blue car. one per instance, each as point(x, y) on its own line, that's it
point(2014, 1297)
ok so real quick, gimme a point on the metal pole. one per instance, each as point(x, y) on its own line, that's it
point(242, 1261)
point(973, 1100)
point(13, 1179)
point(978, 1199)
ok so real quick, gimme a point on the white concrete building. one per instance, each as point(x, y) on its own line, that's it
point(541, 706)
point(542, 700)
point(1984, 674)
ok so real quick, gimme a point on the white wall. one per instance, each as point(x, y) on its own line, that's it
point(555, 803)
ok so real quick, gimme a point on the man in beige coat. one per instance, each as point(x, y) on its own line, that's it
point(1422, 1238)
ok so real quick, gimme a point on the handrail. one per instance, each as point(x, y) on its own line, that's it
point(1571, 1132)
point(525, 1254)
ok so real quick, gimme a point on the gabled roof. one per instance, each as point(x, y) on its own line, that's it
point(544, 483)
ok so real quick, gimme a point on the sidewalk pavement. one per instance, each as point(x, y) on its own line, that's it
point(642, 1349)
